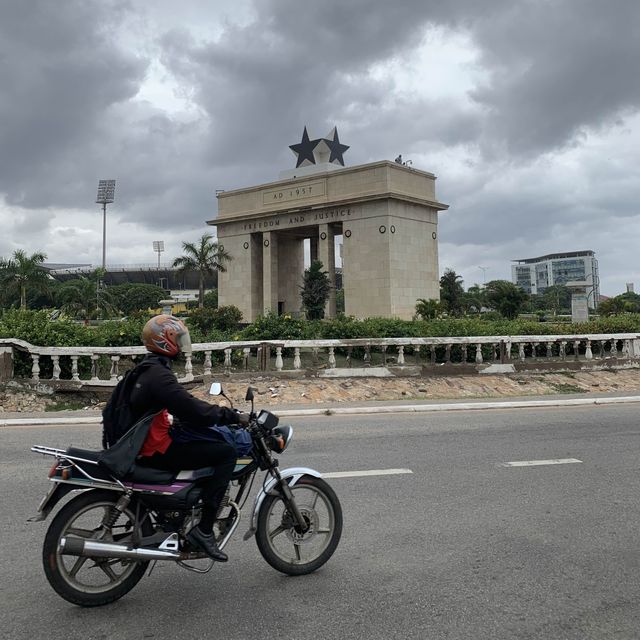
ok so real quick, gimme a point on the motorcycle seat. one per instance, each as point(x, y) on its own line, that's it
point(149, 475)
point(85, 454)
point(140, 474)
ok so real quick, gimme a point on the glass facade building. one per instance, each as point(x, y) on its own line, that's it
point(534, 275)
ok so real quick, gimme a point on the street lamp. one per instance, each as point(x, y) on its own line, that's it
point(484, 270)
point(158, 247)
point(106, 193)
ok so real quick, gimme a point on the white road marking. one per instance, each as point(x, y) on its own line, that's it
point(538, 463)
point(369, 472)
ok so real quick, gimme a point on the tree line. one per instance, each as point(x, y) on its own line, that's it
point(509, 300)
point(25, 283)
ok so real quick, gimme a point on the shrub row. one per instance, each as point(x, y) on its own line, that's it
point(37, 328)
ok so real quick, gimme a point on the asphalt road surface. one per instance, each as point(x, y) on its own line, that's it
point(465, 546)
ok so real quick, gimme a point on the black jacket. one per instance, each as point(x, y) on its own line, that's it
point(157, 388)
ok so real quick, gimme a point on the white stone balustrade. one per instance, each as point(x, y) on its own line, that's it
point(84, 365)
point(207, 362)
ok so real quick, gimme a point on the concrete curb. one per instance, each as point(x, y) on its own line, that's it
point(458, 406)
point(409, 408)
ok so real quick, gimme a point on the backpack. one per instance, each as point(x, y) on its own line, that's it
point(117, 417)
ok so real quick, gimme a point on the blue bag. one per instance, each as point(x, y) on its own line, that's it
point(237, 437)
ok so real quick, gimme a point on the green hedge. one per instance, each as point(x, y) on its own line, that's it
point(37, 328)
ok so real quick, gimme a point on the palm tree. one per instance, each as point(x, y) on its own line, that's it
point(451, 292)
point(84, 298)
point(204, 257)
point(21, 272)
point(473, 299)
point(428, 309)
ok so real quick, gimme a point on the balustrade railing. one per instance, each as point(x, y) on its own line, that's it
point(104, 365)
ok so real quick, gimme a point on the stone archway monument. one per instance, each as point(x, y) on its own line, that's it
point(386, 213)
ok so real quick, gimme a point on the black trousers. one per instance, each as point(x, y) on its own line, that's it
point(196, 455)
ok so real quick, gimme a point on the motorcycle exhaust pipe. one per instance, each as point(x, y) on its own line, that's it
point(95, 549)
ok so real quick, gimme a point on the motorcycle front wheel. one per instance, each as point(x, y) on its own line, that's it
point(292, 549)
point(83, 580)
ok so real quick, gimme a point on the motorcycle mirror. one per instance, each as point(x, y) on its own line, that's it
point(215, 389)
point(249, 395)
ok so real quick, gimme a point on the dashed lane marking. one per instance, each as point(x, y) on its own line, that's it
point(368, 472)
point(539, 463)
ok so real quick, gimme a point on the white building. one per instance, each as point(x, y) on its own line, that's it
point(534, 275)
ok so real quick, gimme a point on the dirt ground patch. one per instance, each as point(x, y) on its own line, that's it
point(272, 391)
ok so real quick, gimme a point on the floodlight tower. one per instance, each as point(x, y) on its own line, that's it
point(158, 247)
point(106, 194)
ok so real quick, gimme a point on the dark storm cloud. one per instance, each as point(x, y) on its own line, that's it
point(69, 114)
point(298, 64)
point(60, 72)
point(557, 68)
point(551, 73)
point(554, 69)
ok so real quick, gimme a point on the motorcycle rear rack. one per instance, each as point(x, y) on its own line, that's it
point(61, 454)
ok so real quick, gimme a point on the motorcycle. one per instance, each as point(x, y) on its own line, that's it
point(101, 542)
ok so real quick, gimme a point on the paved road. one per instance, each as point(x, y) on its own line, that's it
point(464, 547)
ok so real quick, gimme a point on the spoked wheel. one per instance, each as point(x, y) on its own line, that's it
point(292, 549)
point(88, 581)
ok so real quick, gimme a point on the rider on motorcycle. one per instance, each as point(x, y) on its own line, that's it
point(157, 390)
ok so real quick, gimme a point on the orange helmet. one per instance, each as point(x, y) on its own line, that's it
point(166, 335)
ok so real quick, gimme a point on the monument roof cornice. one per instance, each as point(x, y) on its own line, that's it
point(389, 195)
point(326, 174)
point(333, 188)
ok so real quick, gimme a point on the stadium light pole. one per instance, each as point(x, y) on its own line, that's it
point(106, 195)
point(158, 247)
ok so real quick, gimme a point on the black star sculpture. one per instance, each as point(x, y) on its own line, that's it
point(304, 150)
point(336, 148)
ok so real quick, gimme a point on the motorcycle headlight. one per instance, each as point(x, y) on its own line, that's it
point(280, 438)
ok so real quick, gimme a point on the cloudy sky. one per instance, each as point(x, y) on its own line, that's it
point(528, 111)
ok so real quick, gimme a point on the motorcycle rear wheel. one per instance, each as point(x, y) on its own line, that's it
point(283, 544)
point(87, 581)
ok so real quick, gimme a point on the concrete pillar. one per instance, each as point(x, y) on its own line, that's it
point(291, 269)
point(327, 255)
point(256, 277)
point(241, 284)
point(579, 306)
point(269, 272)
point(6, 364)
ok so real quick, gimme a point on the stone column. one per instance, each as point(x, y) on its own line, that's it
point(269, 272)
point(290, 270)
point(241, 284)
point(6, 364)
point(327, 255)
point(256, 276)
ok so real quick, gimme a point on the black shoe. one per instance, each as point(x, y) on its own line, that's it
point(207, 543)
